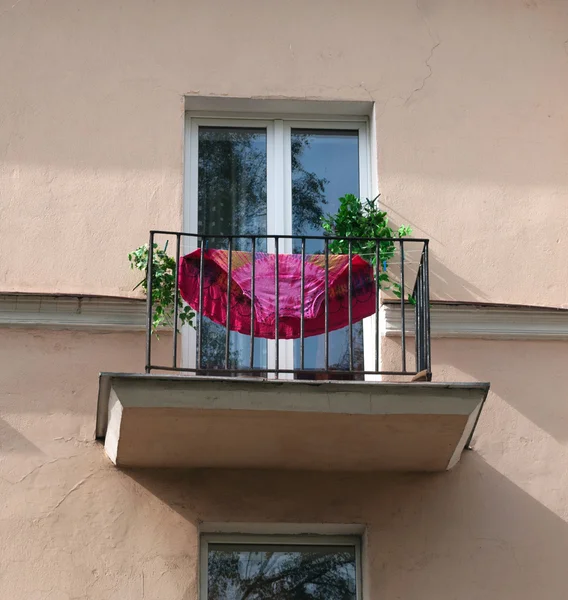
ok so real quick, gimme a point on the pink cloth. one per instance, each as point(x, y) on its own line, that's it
point(215, 268)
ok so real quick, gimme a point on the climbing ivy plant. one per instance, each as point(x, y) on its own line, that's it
point(363, 219)
point(163, 286)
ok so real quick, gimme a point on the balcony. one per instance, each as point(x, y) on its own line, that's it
point(282, 366)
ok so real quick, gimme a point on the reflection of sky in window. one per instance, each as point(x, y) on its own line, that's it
point(280, 567)
point(334, 157)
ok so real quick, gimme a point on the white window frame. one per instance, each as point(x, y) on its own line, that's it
point(280, 540)
point(279, 193)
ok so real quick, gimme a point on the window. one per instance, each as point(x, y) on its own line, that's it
point(272, 177)
point(280, 568)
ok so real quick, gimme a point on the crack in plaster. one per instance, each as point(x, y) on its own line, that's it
point(430, 72)
point(77, 486)
point(338, 89)
point(364, 87)
point(436, 42)
point(35, 469)
point(379, 115)
point(76, 440)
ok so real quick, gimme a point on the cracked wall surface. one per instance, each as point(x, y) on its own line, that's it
point(471, 129)
point(73, 526)
point(472, 123)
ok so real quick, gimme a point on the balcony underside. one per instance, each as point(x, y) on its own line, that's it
point(207, 422)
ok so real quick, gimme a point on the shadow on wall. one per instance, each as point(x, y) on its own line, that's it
point(444, 283)
point(530, 376)
point(12, 441)
point(61, 368)
point(470, 533)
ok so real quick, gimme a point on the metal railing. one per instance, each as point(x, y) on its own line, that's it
point(407, 273)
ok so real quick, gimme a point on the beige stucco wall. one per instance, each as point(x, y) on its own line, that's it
point(74, 526)
point(472, 126)
point(472, 129)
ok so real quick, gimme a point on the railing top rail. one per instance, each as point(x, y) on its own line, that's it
point(289, 237)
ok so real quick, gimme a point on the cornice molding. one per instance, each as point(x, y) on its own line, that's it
point(482, 321)
point(72, 312)
point(105, 313)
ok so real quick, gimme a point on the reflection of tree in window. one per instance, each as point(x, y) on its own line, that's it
point(306, 574)
point(342, 364)
point(232, 183)
point(308, 190)
point(232, 200)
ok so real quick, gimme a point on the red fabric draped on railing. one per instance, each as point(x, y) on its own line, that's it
point(215, 278)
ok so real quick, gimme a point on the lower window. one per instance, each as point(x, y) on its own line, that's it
point(280, 568)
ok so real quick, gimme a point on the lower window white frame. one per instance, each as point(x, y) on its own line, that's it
point(352, 541)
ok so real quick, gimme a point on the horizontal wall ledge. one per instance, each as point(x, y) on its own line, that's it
point(457, 320)
point(101, 313)
point(484, 321)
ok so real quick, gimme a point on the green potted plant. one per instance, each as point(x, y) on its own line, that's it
point(362, 218)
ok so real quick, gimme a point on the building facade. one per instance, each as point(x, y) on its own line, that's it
point(456, 114)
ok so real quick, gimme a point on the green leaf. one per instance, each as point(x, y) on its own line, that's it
point(163, 286)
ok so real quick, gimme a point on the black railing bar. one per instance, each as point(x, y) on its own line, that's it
point(287, 371)
point(229, 282)
point(402, 311)
point(422, 309)
point(302, 303)
point(326, 305)
point(377, 302)
point(423, 320)
point(176, 300)
point(418, 319)
point(419, 263)
point(200, 332)
point(350, 303)
point(424, 349)
point(277, 307)
point(290, 237)
point(427, 306)
point(149, 273)
point(416, 342)
point(253, 275)
point(422, 323)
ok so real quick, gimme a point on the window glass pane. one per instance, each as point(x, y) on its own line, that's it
point(231, 201)
point(281, 572)
point(325, 166)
